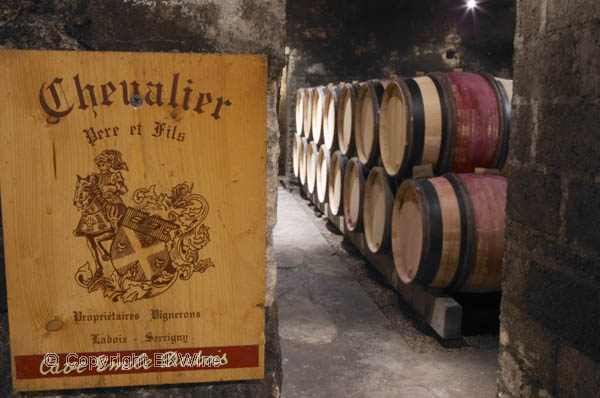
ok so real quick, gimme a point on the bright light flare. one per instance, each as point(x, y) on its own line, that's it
point(471, 4)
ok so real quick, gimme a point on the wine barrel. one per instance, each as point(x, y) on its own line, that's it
point(299, 111)
point(377, 210)
point(366, 124)
point(413, 126)
point(311, 166)
point(448, 232)
point(353, 194)
point(330, 136)
point(507, 85)
point(345, 118)
point(504, 90)
point(296, 145)
point(475, 118)
point(337, 167)
point(323, 160)
point(302, 151)
point(318, 111)
point(307, 112)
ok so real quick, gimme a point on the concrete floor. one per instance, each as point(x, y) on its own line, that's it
point(337, 342)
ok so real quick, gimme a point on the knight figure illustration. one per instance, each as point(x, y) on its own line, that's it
point(138, 251)
point(98, 197)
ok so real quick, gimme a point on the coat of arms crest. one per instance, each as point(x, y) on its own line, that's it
point(138, 251)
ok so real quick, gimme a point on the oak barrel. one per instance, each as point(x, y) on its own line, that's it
point(353, 194)
point(337, 167)
point(475, 120)
point(323, 162)
point(504, 94)
point(302, 160)
point(296, 145)
point(366, 122)
point(507, 85)
point(448, 232)
point(311, 166)
point(318, 110)
point(346, 113)
point(299, 111)
point(330, 137)
point(413, 126)
point(307, 112)
point(377, 210)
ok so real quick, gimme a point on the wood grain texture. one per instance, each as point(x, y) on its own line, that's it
point(346, 114)
point(478, 122)
point(451, 233)
point(488, 196)
point(394, 126)
point(302, 157)
point(460, 217)
point(433, 120)
point(323, 160)
point(312, 152)
point(377, 210)
point(407, 231)
point(307, 112)
point(330, 125)
point(318, 111)
point(366, 123)
point(353, 194)
point(337, 167)
point(299, 111)
point(296, 145)
point(218, 153)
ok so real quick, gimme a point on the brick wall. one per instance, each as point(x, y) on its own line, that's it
point(550, 315)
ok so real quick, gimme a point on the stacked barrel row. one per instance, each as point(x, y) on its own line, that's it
point(357, 145)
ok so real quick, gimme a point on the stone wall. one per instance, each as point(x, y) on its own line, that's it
point(336, 40)
point(551, 287)
point(223, 26)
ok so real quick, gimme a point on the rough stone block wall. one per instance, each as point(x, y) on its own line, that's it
point(221, 26)
point(550, 313)
point(337, 40)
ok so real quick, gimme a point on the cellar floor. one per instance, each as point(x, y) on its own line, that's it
point(344, 333)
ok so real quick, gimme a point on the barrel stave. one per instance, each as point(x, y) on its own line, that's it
point(302, 152)
point(323, 162)
point(330, 124)
point(346, 113)
point(299, 110)
point(377, 210)
point(311, 166)
point(318, 108)
point(307, 112)
point(337, 167)
point(295, 154)
point(366, 123)
point(353, 197)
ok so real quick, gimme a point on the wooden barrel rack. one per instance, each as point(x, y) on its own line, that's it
point(436, 309)
point(407, 169)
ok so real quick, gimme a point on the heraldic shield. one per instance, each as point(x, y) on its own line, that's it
point(150, 245)
point(139, 248)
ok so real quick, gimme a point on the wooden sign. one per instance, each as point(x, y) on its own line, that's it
point(133, 203)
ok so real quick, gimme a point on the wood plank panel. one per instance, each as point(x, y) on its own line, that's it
point(133, 229)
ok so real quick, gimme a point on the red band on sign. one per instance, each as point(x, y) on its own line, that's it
point(129, 362)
